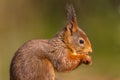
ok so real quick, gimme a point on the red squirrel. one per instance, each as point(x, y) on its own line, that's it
point(38, 59)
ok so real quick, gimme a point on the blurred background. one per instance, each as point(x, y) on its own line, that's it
point(22, 20)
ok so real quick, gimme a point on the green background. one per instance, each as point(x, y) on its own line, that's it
point(22, 20)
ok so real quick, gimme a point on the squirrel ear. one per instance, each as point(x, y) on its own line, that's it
point(71, 16)
point(72, 23)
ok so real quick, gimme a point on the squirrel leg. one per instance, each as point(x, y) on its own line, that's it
point(34, 69)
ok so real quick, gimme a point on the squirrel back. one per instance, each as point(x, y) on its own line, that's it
point(37, 59)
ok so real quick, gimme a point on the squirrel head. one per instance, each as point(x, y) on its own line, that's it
point(74, 37)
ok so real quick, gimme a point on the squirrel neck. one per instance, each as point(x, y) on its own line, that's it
point(58, 40)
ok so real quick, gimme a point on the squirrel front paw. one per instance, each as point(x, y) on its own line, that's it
point(87, 59)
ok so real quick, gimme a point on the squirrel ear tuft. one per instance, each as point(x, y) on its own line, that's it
point(71, 16)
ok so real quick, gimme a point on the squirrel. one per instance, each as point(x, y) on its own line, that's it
point(38, 59)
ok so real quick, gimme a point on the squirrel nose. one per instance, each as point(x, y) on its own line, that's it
point(88, 51)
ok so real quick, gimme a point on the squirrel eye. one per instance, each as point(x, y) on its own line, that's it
point(81, 41)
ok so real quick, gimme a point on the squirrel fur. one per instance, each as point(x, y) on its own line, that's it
point(38, 59)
